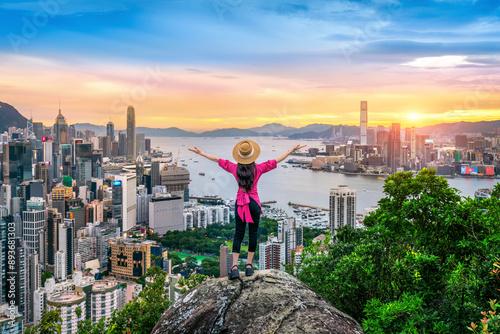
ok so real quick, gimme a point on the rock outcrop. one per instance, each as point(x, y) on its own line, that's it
point(270, 301)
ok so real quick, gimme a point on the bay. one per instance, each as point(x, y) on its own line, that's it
point(283, 185)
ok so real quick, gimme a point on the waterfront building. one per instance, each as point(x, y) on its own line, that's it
point(131, 146)
point(342, 207)
point(176, 179)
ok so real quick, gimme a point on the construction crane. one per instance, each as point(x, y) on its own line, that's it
point(177, 159)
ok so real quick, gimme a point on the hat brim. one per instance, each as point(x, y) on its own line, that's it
point(250, 159)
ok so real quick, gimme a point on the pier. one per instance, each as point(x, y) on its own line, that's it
point(308, 206)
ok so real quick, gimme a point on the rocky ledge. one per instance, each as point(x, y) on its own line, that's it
point(271, 301)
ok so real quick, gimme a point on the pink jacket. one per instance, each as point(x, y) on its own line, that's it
point(243, 198)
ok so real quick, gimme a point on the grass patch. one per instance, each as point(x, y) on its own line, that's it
point(242, 248)
point(199, 258)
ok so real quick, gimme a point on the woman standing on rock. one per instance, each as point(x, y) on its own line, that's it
point(247, 206)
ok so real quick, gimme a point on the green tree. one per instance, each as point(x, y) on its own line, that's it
point(46, 274)
point(49, 324)
point(192, 281)
point(422, 260)
point(86, 326)
point(141, 314)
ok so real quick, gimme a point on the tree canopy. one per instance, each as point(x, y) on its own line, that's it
point(421, 265)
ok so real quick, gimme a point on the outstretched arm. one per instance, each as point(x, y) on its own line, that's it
point(287, 153)
point(200, 152)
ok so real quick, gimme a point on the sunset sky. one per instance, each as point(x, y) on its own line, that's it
point(206, 64)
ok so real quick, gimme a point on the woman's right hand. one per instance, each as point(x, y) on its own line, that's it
point(195, 150)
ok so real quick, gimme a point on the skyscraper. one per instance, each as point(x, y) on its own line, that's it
point(110, 131)
point(129, 200)
point(342, 207)
point(363, 122)
point(60, 130)
point(413, 143)
point(394, 147)
point(83, 163)
point(131, 132)
point(17, 157)
point(122, 144)
point(290, 233)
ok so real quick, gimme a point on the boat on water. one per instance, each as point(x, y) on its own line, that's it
point(202, 174)
point(380, 178)
point(195, 161)
point(184, 165)
point(284, 166)
point(213, 178)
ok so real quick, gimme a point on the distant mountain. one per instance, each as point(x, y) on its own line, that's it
point(461, 127)
point(99, 130)
point(168, 132)
point(273, 128)
point(347, 130)
point(231, 132)
point(9, 116)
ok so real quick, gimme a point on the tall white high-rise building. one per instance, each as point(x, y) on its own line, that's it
point(290, 233)
point(60, 271)
point(413, 143)
point(272, 254)
point(33, 222)
point(363, 122)
point(342, 207)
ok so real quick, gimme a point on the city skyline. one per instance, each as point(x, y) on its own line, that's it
point(218, 63)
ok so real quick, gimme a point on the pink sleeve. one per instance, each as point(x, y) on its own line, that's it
point(227, 165)
point(266, 166)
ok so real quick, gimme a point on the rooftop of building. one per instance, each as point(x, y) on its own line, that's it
point(104, 286)
point(131, 242)
point(66, 298)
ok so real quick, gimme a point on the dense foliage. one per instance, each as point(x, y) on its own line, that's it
point(421, 265)
point(208, 240)
point(49, 324)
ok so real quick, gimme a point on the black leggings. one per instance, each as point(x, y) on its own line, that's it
point(253, 228)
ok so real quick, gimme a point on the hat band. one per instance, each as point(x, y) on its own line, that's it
point(245, 156)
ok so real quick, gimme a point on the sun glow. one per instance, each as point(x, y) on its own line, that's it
point(414, 116)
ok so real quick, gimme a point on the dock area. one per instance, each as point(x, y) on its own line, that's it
point(308, 206)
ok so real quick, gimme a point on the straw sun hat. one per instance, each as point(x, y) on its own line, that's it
point(246, 152)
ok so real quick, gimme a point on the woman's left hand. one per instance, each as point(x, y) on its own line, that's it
point(298, 147)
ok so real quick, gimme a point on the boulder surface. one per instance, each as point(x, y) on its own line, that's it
point(270, 301)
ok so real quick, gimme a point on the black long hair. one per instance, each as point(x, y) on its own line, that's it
point(246, 175)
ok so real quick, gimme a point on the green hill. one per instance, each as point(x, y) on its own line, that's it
point(9, 116)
